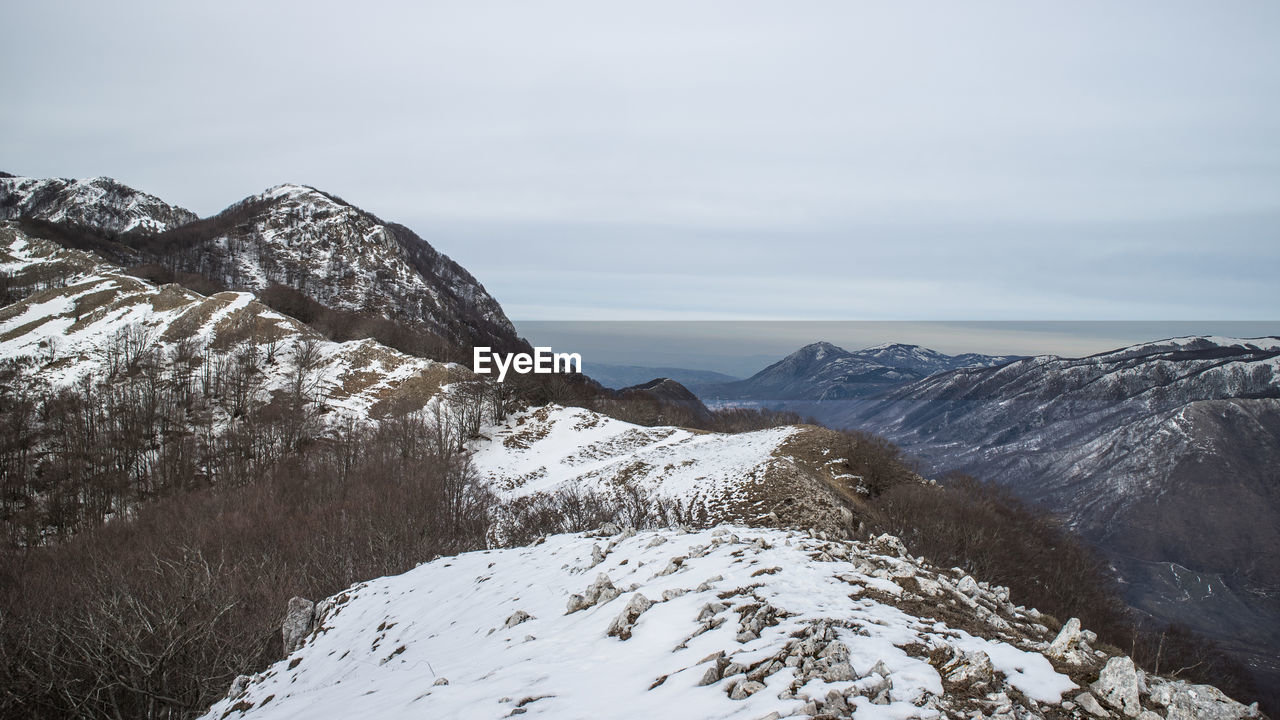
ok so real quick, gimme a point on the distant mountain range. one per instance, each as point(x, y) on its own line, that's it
point(1166, 455)
point(822, 371)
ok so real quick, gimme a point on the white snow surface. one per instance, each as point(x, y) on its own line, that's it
point(382, 646)
point(556, 447)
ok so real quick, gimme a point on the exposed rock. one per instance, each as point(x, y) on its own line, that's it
point(1184, 701)
point(299, 619)
point(672, 566)
point(1071, 646)
point(710, 610)
point(890, 545)
point(1090, 704)
point(626, 620)
point(1117, 686)
point(600, 591)
point(239, 686)
point(441, 681)
point(840, 672)
point(516, 618)
point(706, 584)
point(745, 689)
point(969, 669)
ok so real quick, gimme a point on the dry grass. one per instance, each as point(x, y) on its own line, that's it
point(414, 393)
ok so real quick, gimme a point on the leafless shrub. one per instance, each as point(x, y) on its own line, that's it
point(575, 509)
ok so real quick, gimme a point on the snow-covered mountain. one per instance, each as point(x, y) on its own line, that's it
point(786, 475)
point(822, 372)
point(343, 257)
point(328, 250)
point(82, 317)
point(1165, 454)
point(99, 203)
point(730, 622)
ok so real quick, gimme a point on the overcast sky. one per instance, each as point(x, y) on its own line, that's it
point(659, 160)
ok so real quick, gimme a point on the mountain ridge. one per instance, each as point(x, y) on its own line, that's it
point(1160, 452)
point(293, 236)
point(822, 371)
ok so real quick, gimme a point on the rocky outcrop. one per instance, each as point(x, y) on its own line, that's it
point(299, 620)
point(626, 620)
point(1071, 646)
point(1117, 686)
point(599, 592)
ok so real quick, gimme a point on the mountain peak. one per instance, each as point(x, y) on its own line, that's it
point(819, 351)
point(102, 203)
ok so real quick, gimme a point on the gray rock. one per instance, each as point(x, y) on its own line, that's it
point(835, 703)
point(840, 672)
point(622, 625)
point(239, 686)
point(707, 584)
point(441, 681)
point(600, 591)
point(745, 689)
point(1150, 715)
point(672, 566)
point(1117, 686)
point(516, 618)
point(576, 602)
point(299, 619)
point(890, 545)
point(710, 610)
point(1071, 646)
point(1091, 705)
point(969, 669)
point(1184, 701)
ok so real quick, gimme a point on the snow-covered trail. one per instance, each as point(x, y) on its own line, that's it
point(734, 623)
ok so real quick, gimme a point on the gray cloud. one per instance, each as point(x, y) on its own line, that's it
point(832, 160)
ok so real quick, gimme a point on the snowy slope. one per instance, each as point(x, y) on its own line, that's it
point(723, 623)
point(80, 306)
point(741, 477)
point(100, 203)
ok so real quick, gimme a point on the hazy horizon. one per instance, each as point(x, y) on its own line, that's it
point(742, 348)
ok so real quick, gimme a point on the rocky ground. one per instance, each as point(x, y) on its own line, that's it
point(731, 622)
